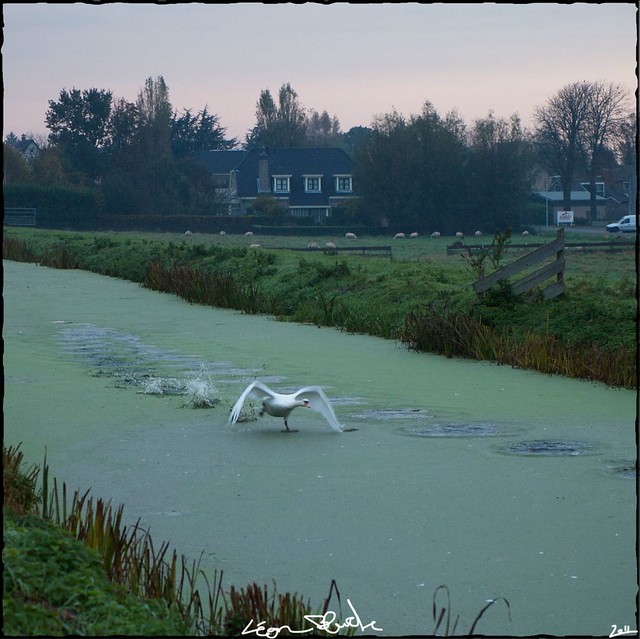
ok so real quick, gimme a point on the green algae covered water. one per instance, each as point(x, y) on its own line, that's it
point(497, 483)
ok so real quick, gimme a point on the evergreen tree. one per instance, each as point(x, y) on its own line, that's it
point(281, 125)
point(78, 124)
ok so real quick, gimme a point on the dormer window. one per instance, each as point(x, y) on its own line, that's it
point(281, 183)
point(343, 184)
point(312, 183)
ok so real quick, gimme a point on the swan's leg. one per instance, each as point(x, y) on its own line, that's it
point(287, 429)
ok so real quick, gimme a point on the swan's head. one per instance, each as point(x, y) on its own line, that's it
point(306, 403)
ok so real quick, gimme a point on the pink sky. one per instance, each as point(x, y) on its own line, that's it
point(355, 61)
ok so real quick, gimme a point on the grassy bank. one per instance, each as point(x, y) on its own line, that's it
point(421, 297)
point(74, 569)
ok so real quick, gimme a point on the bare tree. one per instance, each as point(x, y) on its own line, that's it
point(322, 129)
point(578, 127)
point(560, 127)
point(607, 108)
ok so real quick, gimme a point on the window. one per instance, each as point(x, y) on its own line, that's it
point(312, 183)
point(599, 187)
point(343, 184)
point(281, 183)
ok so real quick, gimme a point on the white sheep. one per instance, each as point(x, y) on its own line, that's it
point(435, 234)
point(312, 245)
point(398, 236)
point(187, 232)
point(525, 233)
point(478, 233)
point(249, 234)
point(459, 234)
point(414, 235)
point(351, 236)
point(330, 245)
point(222, 233)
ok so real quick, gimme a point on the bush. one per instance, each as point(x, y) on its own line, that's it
point(56, 206)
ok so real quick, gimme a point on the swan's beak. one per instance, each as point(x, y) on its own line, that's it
point(306, 403)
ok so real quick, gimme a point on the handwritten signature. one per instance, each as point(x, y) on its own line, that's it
point(618, 632)
point(326, 622)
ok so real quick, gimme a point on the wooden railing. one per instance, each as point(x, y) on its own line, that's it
point(385, 250)
point(537, 277)
point(19, 217)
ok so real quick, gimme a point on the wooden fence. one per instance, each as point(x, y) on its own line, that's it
point(385, 250)
point(618, 244)
point(19, 217)
point(537, 277)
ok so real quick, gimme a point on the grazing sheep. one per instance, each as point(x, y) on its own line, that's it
point(249, 234)
point(312, 245)
point(478, 233)
point(525, 233)
point(187, 232)
point(398, 236)
point(222, 233)
point(414, 235)
point(351, 236)
point(459, 234)
point(330, 245)
point(435, 234)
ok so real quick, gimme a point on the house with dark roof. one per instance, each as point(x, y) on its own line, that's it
point(616, 192)
point(308, 183)
point(27, 147)
point(580, 204)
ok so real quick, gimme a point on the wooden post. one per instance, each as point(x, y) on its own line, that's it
point(560, 256)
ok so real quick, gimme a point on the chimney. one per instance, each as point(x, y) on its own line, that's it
point(264, 185)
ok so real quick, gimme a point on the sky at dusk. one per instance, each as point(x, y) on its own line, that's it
point(356, 61)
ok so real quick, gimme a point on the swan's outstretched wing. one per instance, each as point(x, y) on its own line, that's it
point(255, 389)
point(319, 402)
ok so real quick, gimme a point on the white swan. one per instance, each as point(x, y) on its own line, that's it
point(281, 405)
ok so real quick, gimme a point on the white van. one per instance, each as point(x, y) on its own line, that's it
point(627, 224)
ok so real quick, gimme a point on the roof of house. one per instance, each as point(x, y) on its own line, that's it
point(219, 162)
point(576, 196)
point(24, 143)
point(324, 162)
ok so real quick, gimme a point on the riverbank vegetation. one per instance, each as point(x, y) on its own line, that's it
point(76, 569)
point(421, 296)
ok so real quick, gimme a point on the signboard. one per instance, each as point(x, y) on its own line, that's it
point(565, 217)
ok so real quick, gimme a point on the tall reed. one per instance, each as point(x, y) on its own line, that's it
point(201, 287)
point(442, 613)
point(133, 561)
point(17, 250)
point(455, 333)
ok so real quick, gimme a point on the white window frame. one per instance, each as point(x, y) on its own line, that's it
point(307, 180)
point(339, 178)
point(277, 179)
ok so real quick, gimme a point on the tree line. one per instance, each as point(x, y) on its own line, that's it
point(420, 171)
